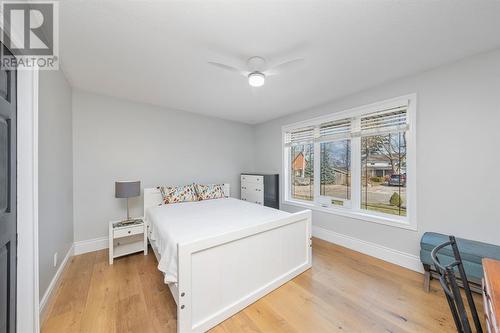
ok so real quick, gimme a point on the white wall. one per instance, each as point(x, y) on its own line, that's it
point(55, 173)
point(458, 157)
point(116, 139)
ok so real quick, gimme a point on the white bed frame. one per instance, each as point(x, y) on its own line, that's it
point(219, 276)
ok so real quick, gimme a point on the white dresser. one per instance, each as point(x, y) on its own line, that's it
point(261, 189)
point(252, 188)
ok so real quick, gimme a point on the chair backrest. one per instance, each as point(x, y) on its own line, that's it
point(448, 280)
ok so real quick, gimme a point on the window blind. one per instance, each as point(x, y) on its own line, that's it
point(300, 136)
point(335, 130)
point(386, 121)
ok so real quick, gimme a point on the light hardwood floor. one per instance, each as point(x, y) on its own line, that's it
point(345, 291)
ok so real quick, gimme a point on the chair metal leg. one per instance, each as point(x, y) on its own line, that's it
point(448, 279)
point(454, 313)
point(458, 300)
point(466, 286)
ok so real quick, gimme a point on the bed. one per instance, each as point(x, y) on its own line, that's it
point(219, 256)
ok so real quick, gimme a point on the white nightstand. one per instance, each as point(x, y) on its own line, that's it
point(127, 238)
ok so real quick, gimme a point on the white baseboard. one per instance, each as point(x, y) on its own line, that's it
point(91, 245)
point(80, 247)
point(403, 259)
point(400, 258)
point(47, 296)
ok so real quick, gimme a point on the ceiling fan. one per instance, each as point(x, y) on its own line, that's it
point(257, 69)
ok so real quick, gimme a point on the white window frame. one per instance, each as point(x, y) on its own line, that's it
point(354, 211)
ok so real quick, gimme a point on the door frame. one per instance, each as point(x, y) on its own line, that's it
point(27, 294)
point(28, 304)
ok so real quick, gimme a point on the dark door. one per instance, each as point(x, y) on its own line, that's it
point(8, 239)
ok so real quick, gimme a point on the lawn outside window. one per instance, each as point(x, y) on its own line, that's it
point(358, 163)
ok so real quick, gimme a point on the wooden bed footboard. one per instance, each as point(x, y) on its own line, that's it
point(221, 275)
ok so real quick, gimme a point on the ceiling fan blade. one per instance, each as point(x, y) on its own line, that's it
point(226, 67)
point(284, 65)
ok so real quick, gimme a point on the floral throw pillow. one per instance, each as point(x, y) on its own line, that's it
point(175, 194)
point(212, 191)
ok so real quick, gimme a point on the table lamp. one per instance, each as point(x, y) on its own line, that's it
point(127, 189)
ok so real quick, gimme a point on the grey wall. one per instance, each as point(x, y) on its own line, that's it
point(457, 153)
point(458, 156)
point(55, 173)
point(115, 139)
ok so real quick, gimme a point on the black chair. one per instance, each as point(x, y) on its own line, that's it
point(448, 280)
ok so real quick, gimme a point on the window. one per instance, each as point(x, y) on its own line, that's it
point(336, 169)
point(301, 163)
point(335, 162)
point(363, 166)
point(383, 173)
point(302, 160)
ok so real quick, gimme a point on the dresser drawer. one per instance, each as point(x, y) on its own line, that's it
point(253, 197)
point(252, 187)
point(128, 231)
point(252, 179)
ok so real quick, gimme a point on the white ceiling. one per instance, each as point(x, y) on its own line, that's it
point(157, 51)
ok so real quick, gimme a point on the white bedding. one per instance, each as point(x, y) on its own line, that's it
point(190, 221)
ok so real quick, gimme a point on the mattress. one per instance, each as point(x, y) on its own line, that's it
point(191, 221)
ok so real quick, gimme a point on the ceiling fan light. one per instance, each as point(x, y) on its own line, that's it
point(256, 79)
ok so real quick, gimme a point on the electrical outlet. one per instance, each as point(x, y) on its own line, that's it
point(55, 259)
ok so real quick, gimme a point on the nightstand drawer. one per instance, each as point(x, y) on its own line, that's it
point(128, 231)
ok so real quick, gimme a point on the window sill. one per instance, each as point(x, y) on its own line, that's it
point(355, 215)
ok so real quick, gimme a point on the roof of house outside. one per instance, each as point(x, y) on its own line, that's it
point(298, 162)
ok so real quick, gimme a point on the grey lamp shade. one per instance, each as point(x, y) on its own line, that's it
point(127, 189)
